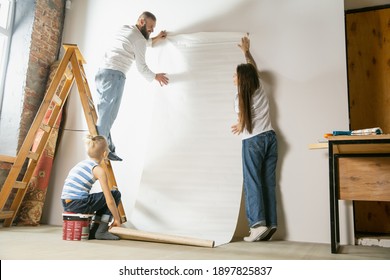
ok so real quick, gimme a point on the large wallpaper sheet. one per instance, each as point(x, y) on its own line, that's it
point(191, 183)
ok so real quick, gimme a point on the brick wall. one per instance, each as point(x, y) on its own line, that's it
point(44, 50)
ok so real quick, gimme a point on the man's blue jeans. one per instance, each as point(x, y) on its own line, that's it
point(109, 85)
point(96, 202)
point(259, 157)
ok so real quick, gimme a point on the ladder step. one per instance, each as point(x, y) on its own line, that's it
point(20, 185)
point(84, 76)
point(90, 103)
point(33, 156)
point(45, 127)
point(57, 100)
point(9, 159)
point(68, 74)
point(6, 214)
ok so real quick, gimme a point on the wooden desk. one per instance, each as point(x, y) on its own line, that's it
point(359, 169)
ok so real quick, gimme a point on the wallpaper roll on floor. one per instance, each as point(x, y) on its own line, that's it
point(192, 178)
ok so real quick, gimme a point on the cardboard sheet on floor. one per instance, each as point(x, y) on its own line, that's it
point(134, 234)
point(192, 177)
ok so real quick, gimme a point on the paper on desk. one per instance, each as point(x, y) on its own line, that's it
point(367, 131)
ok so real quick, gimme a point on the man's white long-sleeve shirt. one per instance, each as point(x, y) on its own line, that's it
point(129, 46)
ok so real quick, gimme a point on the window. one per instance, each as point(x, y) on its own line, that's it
point(7, 8)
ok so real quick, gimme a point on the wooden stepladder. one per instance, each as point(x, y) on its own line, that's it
point(69, 70)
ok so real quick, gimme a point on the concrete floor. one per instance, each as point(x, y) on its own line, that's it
point(45, 243)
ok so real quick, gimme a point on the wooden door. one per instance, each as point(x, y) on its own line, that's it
point(368, 63)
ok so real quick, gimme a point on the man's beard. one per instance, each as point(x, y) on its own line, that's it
point(144, 32)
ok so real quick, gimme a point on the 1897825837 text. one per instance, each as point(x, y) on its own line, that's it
point(209, 272)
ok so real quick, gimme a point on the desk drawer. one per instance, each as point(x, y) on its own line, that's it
point(364, 178)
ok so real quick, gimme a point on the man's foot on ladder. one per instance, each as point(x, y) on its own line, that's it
point(112, 156)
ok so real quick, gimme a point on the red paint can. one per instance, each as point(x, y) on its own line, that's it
point(75, 226)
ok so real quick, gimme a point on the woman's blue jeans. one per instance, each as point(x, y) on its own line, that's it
point(95, 202)
point(109, 85)
point(259, 157)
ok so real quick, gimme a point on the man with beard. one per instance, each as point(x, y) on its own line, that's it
point(129, 46)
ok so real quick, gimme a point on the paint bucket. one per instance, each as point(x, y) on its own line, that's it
point(75, 226)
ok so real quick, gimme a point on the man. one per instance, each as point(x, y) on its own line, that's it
point(129, 46)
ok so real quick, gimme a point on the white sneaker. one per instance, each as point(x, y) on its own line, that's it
point(256, 234)
point(268, 235)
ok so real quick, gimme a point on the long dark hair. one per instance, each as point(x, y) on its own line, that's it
point(247, 83)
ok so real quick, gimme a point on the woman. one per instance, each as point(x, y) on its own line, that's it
point(259, 148)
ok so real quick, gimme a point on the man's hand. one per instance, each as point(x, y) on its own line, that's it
point(161, 36)
point(162, 79)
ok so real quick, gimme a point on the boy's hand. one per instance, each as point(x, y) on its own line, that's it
point(115, 223)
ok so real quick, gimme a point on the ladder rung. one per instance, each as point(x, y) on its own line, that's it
point(83, 75)
point(57, 100)
point(9, 159)
point(6, 214)
point(45, 127)
point(90, 103)
point(68, 74)
point(20, 185)
point(33, 156)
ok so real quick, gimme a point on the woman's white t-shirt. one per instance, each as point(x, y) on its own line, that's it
point(261, 121)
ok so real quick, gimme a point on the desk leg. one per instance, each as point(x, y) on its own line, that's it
point(336, 200)
point(333, 202)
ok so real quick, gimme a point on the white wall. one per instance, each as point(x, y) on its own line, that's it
point(300, 46)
